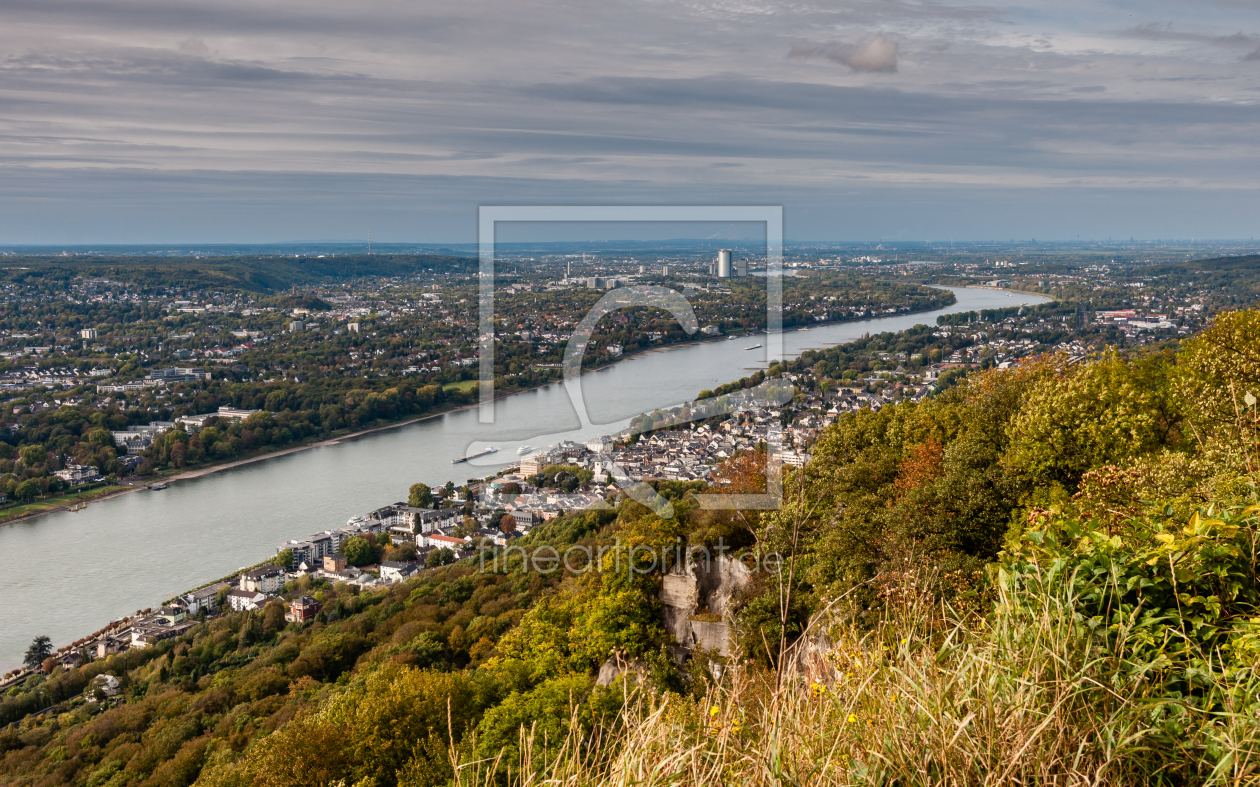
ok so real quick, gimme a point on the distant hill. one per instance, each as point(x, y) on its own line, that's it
point(261, 274)
point(1249, 263)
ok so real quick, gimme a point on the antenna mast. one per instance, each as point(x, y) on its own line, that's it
point(369, 242)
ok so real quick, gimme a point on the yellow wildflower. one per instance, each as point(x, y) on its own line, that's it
point(714, 711)
point(853, 719)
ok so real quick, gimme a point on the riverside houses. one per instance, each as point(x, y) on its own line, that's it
point(77, 475)
point(397, 572)
point(264, 579)
point(302, 609)
point(439, 540)
point(207, 598)
point(312, 549)
point(241, 600)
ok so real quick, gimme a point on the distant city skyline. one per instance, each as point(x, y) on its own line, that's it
point(135, 121)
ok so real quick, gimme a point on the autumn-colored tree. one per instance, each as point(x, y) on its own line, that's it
point(921, 465)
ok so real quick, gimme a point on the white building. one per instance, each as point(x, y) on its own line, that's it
point(264, 579)
point(77, 475)
point(439, 540)
point(241, 600)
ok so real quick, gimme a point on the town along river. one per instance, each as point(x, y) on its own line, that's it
point(68, 574)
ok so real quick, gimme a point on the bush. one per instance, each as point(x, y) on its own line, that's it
point(1172, 601)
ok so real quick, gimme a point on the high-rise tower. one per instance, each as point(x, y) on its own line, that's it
point(724, 264)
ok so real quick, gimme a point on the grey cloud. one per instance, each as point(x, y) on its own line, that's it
point(1156, 31)
point(876, 55)
point(867, 126)
point(589, 100)
point(235, 17)
point(177, 68)
point(194, 46)
point(1252, 56)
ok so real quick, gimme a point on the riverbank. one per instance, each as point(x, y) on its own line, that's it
point(136, 484)
point(60, 503)
point(1050, 298)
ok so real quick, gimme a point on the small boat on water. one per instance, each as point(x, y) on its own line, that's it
point(755, 346)
point(157, 487)
point(78, 506)
point(489, 450)
point(525, 449)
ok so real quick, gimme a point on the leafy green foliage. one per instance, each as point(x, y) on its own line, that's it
point(546, 711)
point(357, 551)
point(1167, 598)
point(1080, 418)
point(420, 496)
point(40, 649)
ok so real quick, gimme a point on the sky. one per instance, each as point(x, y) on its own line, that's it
point(165, 121)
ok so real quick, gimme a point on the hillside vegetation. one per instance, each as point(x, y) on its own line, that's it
point(1045, 575)
point(258, 274)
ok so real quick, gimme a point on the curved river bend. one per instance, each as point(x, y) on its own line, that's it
point(67, 574)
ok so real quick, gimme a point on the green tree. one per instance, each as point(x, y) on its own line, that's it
point(357, 551)
point(26, 491)
point(438, 557)
point(404, 552)
point(420, 496)
point(40, 649)
point(273, 617)
point(1103, 412)
point(33, 455)
point(1218, 368)
point(545, 713)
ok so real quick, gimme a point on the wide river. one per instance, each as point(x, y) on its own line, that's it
point(67, 574)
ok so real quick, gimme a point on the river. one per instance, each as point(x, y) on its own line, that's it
point(67, 574)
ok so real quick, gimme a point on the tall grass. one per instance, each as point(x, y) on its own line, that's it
point(1030, 695)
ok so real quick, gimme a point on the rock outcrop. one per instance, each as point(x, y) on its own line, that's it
point(615, 666)
point(697, 598)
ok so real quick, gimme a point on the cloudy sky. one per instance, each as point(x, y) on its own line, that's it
point(269, 120)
